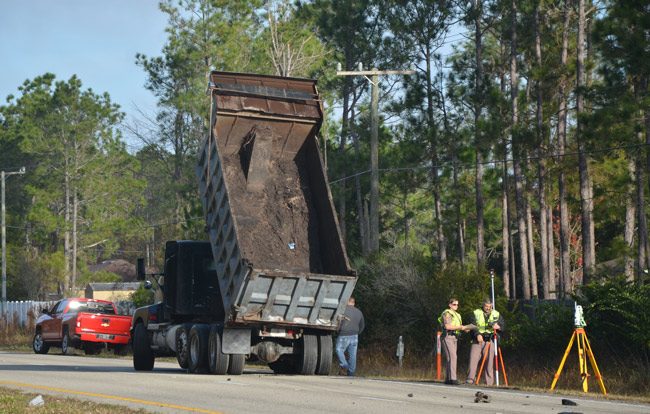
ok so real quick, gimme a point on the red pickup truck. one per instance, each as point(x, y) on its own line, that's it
point(82, 323)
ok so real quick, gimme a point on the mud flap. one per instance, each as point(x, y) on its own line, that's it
point(236, 341)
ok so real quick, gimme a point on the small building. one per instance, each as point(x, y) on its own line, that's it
point(118, 292)
point(111, 291)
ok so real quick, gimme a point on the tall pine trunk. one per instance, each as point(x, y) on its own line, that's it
point(586, 185)
point(75, 211)
point(642, 245)
point(435, 181)
point(454, 155)
point(67, 251)
point(531, 250)
point(478, 108)
point(541, 170)
point(505, 226)
point(509, 270)
point(630, 213)
point(519, 180)
point(646, 120)
point(565, 282)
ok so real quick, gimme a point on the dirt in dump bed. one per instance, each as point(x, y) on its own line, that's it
point(277, 226)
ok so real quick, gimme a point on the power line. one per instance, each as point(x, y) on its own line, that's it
point(470, 166)
point(31, 225)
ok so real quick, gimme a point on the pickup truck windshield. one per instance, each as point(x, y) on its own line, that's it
point(92, 307)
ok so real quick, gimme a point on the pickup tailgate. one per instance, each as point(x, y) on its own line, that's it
point(97, 327)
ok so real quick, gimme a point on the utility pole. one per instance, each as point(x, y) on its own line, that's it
point(373, 244)
point(4, 174)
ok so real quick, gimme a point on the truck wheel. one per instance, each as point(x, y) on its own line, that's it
point(66, 343)
point(143, 358)
point(182, 345)
point(198, 346)
point(217, 360)
point(39, 345)
point(236, 365)
point(308, 354)
point(324, 364)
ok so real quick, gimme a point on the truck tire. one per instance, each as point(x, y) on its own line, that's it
point(182, 345)
point(307, 354)
point(198, 347)
point(236, 364)
point(217, 360)
point(143, 358)
point(66, 343)
point(324, 364)
point(39, 345)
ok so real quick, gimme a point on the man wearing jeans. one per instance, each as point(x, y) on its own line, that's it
point(351, 326)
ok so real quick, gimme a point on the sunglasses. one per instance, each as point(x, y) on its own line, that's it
point(454, 304)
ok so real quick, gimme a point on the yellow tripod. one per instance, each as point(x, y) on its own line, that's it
point(580, 336)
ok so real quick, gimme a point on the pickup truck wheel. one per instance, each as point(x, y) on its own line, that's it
point(217, 360)
point(236, 365)
point(66, 344)
point(198, 346)
point(143, 358)
point(182, 345)
point(39, 345)
point(324, 364)
point(308, 354)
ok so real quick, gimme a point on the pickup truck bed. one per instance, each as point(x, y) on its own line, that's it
point(82, 323)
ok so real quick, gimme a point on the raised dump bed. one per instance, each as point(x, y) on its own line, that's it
point(270, 218)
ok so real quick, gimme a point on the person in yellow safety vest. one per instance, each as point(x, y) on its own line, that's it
point(487, 321)
point(452, 326)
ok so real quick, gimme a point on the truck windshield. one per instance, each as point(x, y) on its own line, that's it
point(92, 307)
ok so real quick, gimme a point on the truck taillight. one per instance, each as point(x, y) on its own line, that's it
point(153, 317)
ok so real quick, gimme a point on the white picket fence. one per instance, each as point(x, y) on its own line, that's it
point(19, 310)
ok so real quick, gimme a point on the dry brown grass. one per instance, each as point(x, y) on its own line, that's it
point(622, 381)
point(15, 337)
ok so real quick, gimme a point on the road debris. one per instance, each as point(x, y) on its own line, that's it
point(37, 401)
point(568, 402)
point(481, 397)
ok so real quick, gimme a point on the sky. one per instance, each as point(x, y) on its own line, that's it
point(96, 40)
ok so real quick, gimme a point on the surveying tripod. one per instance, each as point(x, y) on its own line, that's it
point(580, 337)
point(498, 358)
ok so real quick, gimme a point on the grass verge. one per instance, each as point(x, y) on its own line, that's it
point(18, 403)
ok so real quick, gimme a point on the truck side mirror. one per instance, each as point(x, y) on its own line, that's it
point(139, 269)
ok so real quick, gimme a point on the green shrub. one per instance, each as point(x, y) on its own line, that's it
point(142, 297)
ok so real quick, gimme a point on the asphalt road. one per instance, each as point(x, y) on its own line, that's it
point(169, 389)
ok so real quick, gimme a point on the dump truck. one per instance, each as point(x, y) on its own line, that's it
point(273, 279)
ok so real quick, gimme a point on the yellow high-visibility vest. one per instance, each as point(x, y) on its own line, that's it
point(455, 319)
point(483, 325)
